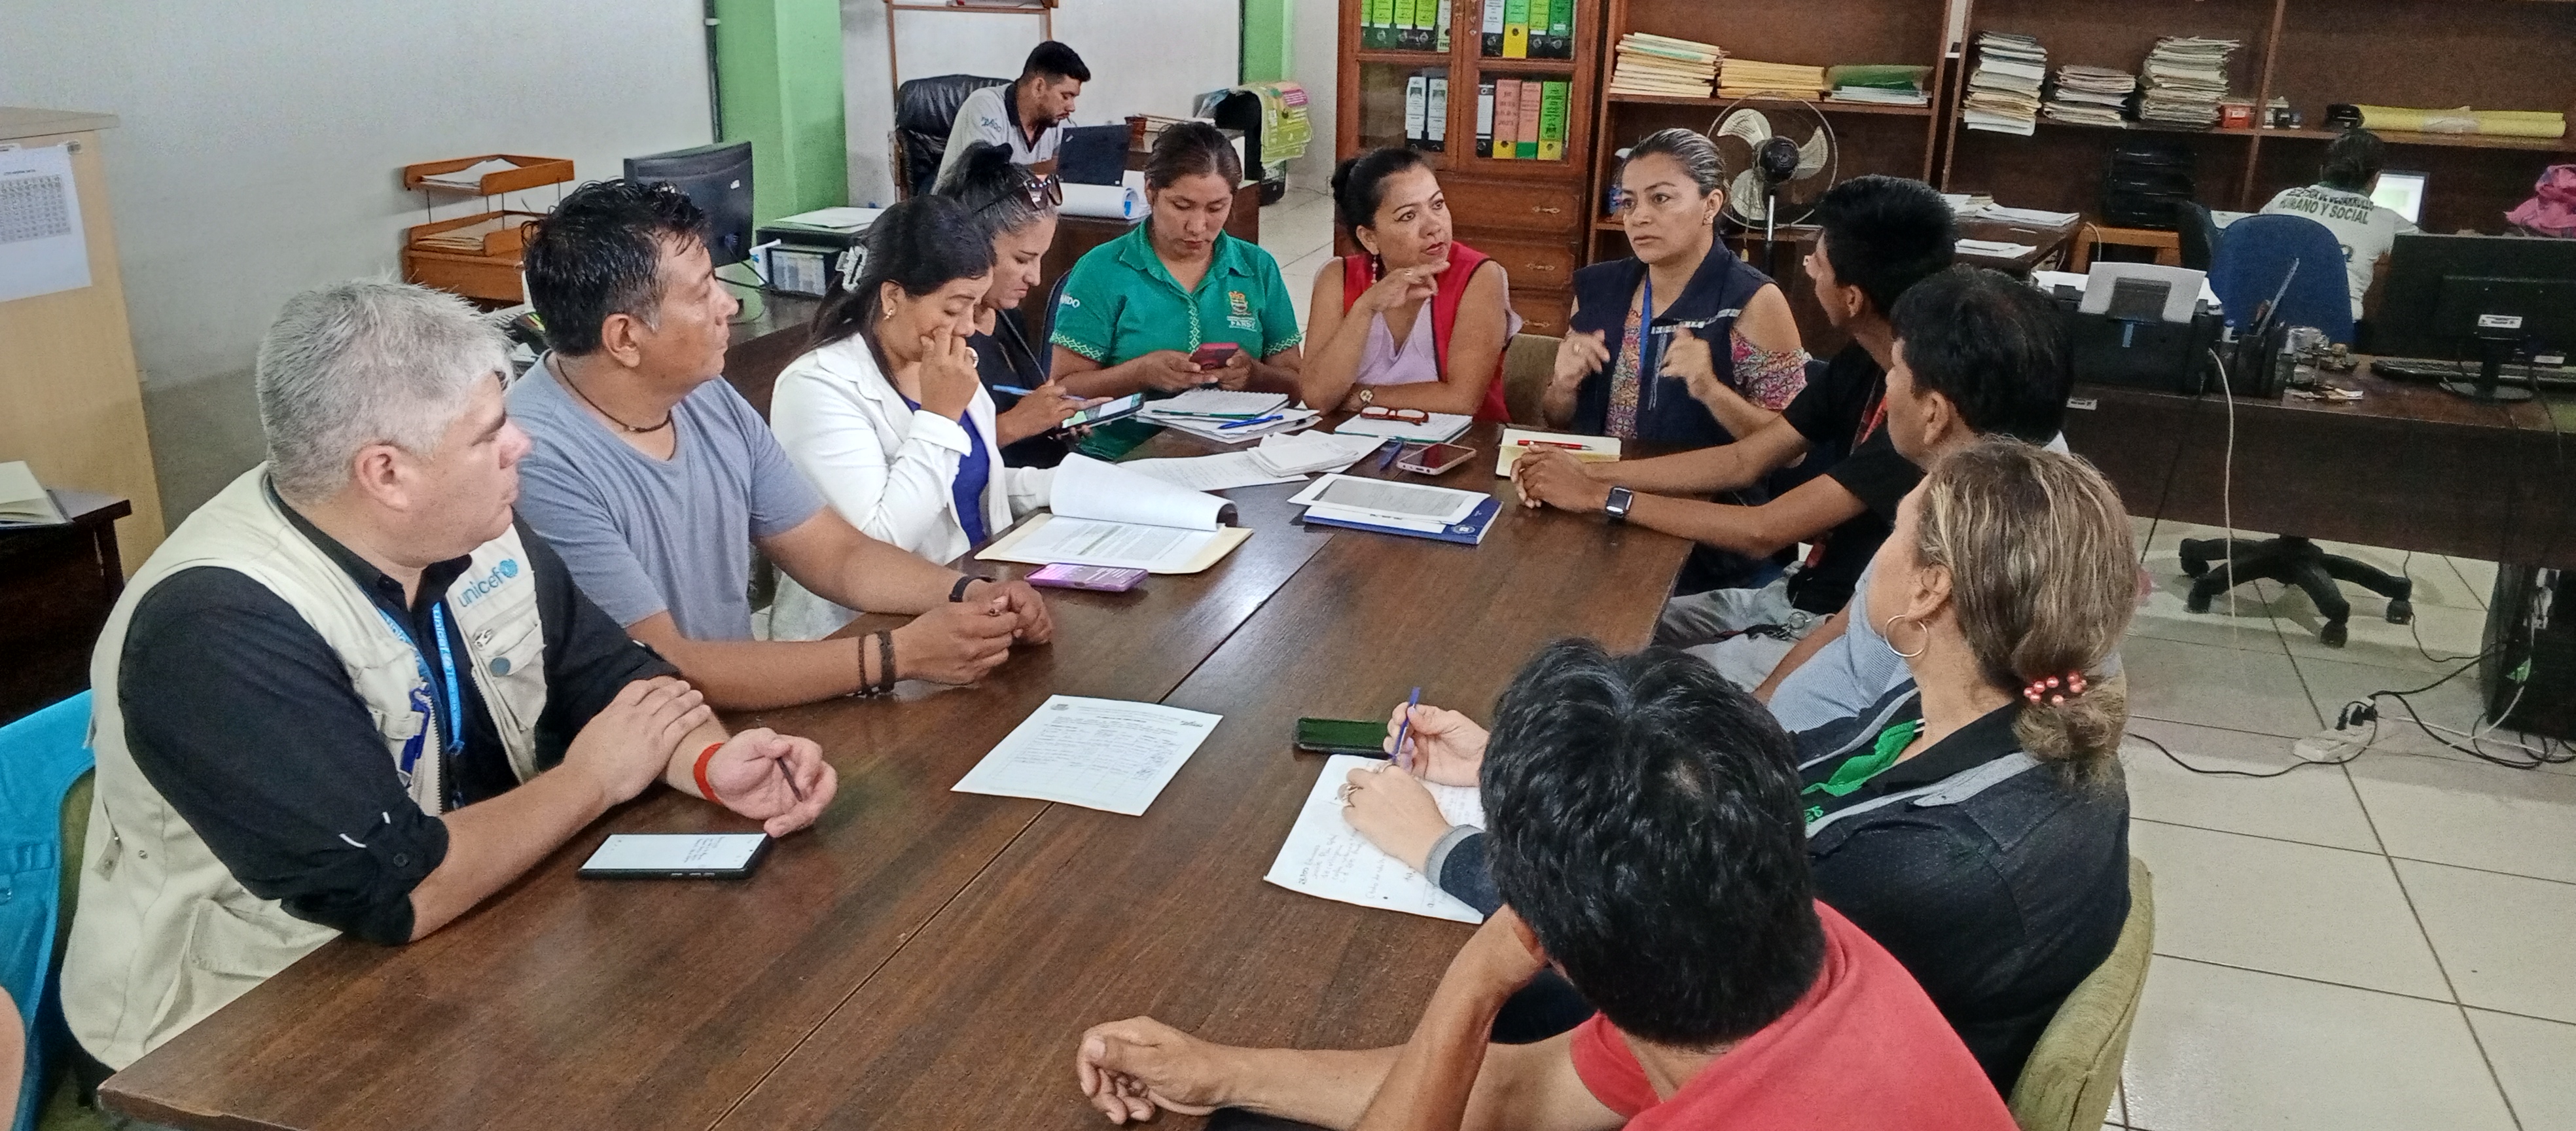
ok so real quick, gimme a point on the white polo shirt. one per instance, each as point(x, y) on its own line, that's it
point(993, 115)
point(2364, 229)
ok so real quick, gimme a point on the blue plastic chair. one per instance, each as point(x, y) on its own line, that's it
point(41, 757)
point(2250, 262)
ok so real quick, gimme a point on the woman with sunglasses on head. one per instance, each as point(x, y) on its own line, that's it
point(1019, 207)
point(1973, 820)
point(1717, 356)
point(886, 413)
point(1454, 314)
point(1136, 309)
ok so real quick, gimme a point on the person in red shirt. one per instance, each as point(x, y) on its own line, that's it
point(1683, 911)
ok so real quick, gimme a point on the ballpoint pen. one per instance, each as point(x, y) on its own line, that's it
point(1404, 761)
point(1255, 420)
point(799, 794)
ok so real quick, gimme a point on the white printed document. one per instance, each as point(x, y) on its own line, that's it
point(1107, 754)
point(1363, 500)
point(1326, 857)
point(43, 248)
point(1106, 515)
point(1219, 472)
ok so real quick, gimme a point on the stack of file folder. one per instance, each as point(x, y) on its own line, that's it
point(2003, 92)
point(1881, 84)
point(1228, 417)
point(2186, 78)
point(1740, 78)
point(2091, 96)
point(1656, 64)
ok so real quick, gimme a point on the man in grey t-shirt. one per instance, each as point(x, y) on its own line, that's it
point(655, 480)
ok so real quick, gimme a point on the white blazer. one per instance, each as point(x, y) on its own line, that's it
point(887, 468)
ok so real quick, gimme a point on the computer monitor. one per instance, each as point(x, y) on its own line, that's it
point(1093, 155)
point(2488, 297)
point(2401, 193)
point(718, 178)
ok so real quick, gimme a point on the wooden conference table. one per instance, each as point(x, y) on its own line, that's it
point(925, 958)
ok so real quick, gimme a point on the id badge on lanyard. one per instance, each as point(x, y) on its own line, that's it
point(448, 716)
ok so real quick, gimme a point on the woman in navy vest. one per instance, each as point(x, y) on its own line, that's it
point(1722, 348)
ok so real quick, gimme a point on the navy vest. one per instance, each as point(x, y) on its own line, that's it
point(1666, 412)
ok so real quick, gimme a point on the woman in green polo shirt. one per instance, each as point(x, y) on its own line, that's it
point(1134, 309)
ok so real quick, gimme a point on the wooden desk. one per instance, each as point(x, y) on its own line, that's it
point(2409, 467)
point(939, 947)
point(57, 584)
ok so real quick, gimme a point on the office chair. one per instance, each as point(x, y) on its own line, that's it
point(2199, 234)
point(924, 112)
point(2249, 267)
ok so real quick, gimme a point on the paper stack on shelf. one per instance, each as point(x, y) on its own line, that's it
point(2003, 92)
point(1738, 78)
point(2091, 96)
point(1878, 84)
point(1655, 64)
point(2186, 76)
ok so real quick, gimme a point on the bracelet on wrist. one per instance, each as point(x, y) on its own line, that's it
point(957, 592)
point(706, 789)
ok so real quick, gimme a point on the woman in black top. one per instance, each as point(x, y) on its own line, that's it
point(1973, 822)
point(1020, 209)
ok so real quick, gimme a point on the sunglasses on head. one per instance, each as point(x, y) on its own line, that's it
point(1041, 193)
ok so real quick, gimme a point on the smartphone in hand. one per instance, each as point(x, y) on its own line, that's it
point(1214, 355)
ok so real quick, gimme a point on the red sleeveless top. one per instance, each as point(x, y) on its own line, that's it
point(1359, 273)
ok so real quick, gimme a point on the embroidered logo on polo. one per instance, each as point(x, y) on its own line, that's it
point(1239, 314)
point(498, 576)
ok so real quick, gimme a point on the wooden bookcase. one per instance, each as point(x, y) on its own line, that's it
point(1529, 215)
point(2491, 54)
point(1896, 140)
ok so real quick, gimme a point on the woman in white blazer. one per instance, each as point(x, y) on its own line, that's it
point(886, 414)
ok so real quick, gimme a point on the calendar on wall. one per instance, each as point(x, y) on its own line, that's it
point(42, 249)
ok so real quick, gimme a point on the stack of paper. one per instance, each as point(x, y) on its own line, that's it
point(1655, 64)
point(1392, 507)
point(1228, 417)
point(1441, 428)
point(1995, 249)
point(2091, 96)
point(468, 240)
point(1325, 857)
point(1882, 84)
point(2036, 217)
point(1311, 452)
point(469, 178)
point(2003, 92)
point(2186, 77)
point(23, 501)
point(1279, 459)
point(1107, 754)
point(1740, 78)
point(1105, 515)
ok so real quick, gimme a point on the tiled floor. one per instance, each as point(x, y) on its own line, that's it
point(2379, 945)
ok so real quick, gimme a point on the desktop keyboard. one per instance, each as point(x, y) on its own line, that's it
point(2553, 378)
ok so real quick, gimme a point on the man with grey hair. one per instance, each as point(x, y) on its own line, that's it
point(351, 694)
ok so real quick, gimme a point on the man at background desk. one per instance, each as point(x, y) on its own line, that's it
point(1028, 115)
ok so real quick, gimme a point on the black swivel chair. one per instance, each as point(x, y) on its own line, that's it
point(2198, 233)
point(924, 112)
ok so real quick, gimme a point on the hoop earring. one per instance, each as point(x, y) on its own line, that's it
point(1887, 632)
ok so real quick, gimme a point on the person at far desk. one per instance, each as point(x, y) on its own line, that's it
point(1727, 995)
point(1412, 272)
point(1135, 309)
point(1972, 820)
point(1027, 116)
point(1721, 357)
point(886, 413)
point(2341, 201)
point(656, 480)
point(1020, 208)
point(351, 695)
point(1877, 237)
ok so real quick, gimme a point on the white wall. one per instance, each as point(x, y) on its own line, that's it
point(261, 144)
point(1314, 55)
point(1146, 57)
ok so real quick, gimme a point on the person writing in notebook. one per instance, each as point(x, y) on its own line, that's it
point(887, 415)
point(1878, 236)
point(1415, 320)
point(1727, 996)
point(657, 481)
point(1020, 208)
point(1137, 310)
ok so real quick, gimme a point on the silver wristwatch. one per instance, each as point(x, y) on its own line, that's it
point(1617, 507)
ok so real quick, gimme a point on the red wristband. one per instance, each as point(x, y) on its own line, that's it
point(705, 756)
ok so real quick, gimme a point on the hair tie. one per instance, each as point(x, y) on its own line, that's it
point(2055, 690)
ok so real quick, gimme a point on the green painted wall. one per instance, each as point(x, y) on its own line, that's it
point(1266, 28)
point(778, 70)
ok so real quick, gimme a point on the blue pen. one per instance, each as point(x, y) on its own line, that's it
point(1395, 448)
point(1403, 760)
point(1253, 421)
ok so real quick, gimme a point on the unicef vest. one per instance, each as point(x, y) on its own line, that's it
point(164, 934)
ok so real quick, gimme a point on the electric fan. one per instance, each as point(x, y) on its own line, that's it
point(1784, 163)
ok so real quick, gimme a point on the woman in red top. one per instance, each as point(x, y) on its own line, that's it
point(1417, 320)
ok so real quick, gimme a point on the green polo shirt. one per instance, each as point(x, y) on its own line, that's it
point(1120, 304)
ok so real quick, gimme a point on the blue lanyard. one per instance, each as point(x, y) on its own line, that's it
point(1646, 376)
point(451, 711)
